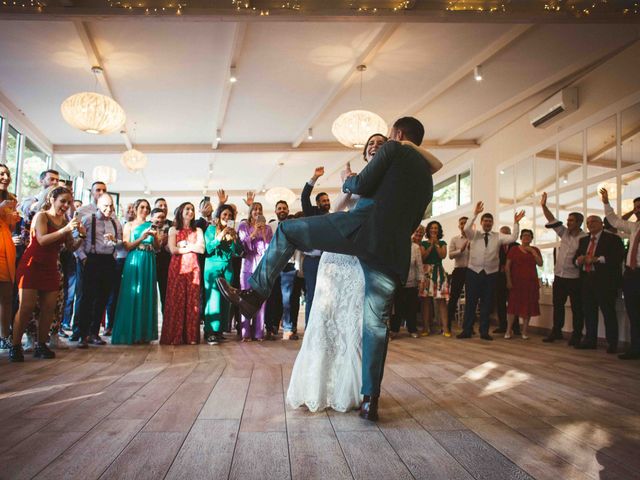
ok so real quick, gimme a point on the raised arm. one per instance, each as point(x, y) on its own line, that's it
point(515, 231)
point(469, 232)
point(547, 213)
point(305, 197)
point(624, 225)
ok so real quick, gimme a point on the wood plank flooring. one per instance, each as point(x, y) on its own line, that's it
point(450, 409)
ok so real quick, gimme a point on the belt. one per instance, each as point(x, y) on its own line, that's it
point(146, 248)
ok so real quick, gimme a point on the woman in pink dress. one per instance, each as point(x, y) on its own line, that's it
point(255, 236)
point(181, 318)
point(522, 282)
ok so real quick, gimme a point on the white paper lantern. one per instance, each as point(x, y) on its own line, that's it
point(93, 113)
point(353, 128)
point(134, 160)
point(104, 173)
point(279, 193)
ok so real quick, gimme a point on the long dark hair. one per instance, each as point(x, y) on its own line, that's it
point(4, 194)
point(440, 232)
point(366, 144)
point(179, 220)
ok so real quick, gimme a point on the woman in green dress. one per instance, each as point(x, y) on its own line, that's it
point(433, 250)
point(221, 243)
point(137, 311)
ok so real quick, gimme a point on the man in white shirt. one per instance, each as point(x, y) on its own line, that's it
point(458, 252)
point(482, 271)
point(566, 282)
point(631, 276)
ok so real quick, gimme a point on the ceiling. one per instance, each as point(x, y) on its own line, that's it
point(171, 77)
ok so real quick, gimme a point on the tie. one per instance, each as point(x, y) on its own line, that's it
point(633, 261)
point(590, 251)
point(486, 239)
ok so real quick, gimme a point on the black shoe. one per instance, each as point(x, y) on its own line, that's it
point(42, 351)
point(629, 356)
point(83, 344)
point(96, 340)
point(612, 349)
point(486, 336)
point(500, 330)
point(550, 339)
point(15, 354)
point(248, 301)
point(463, 335)
point(574, 341)
point(586, 346)
point(369, 409)
point(74, 338)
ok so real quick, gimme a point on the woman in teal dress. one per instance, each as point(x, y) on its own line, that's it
point(221, 243)
point(137, 311)
point(433, 250)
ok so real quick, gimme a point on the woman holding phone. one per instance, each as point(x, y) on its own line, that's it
point(181, 319)
point(137, 311)
point(254, 236)
point(221, 245)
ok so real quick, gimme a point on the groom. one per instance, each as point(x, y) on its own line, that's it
point(395, 189)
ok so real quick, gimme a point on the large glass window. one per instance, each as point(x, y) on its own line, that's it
point(450, 194)
point(13, 152)
point(35, 161)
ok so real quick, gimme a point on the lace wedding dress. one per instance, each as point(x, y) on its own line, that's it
point(328, 370)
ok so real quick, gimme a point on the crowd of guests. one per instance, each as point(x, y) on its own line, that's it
point(79, 272)
point(497, 273)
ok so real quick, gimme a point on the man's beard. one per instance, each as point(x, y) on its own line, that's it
point(282, 217)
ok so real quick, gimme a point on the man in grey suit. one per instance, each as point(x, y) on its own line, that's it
point(395, 189)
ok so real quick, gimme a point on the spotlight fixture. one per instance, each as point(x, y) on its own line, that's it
point(233, 78)
point(218, 135)
point(147, 191)
point(501, 172)
point(565, 179)
point(310, 134)
point(477, 73)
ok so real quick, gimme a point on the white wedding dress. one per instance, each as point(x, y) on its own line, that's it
point(328, 370)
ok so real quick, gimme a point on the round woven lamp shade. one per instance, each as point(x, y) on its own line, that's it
point(93, 113)
point(353, 128)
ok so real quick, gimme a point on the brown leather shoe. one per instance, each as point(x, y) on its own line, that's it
point(369, 408)
point(248, 301)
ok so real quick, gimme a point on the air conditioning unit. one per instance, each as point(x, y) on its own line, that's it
point(552, 109)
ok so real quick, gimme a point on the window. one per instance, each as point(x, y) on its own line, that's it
point(35, 161)
point(13, 153)
point(450, 194)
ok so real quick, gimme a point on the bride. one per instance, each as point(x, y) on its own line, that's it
point(328, 370)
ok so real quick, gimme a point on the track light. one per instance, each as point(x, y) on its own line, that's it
point(233, 78)
point(477, 73)
point(218, 135)
point(310, 134)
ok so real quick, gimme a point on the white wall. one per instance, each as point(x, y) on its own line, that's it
point(613, 81)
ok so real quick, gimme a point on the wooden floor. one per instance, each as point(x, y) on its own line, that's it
point(450, 409)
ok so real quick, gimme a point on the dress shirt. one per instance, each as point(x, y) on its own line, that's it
point(458, 251)
point(564, 266)
point(416, 269)
point(601, 258)
point(632, 228)
point(487, 257)
point(87, 210)
point(102, 246)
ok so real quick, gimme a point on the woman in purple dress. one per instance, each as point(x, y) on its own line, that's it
point(255, 236)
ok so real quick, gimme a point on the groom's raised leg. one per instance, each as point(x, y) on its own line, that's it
point(378, 300)
point(312, 233)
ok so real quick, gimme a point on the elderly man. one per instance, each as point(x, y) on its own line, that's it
point(97, 255)
point(599, 258)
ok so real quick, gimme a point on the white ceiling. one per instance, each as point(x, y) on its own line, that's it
point(171, 79)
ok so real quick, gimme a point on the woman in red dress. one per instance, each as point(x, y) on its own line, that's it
point(37, 275)
point(522, 282)
point(181, 318)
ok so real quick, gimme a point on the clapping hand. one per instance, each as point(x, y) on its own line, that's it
point(604, 195)
point(518, 216)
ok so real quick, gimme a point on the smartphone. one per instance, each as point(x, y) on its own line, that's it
point(206, 198)
point(231, 223)
point(261, 220)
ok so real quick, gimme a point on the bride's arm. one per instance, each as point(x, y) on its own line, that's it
point(343, 202)
point(431, 159)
